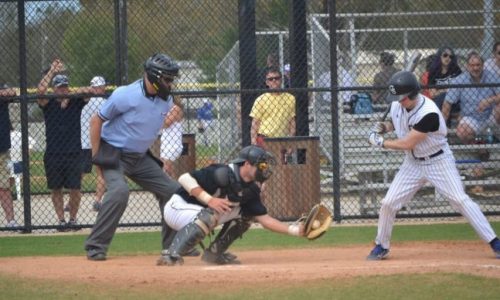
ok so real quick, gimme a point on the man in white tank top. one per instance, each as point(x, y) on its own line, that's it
point(421, 134)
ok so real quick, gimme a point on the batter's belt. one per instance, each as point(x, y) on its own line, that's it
point(430, 156)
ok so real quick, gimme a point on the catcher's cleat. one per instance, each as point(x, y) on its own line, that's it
point(192, 253)
point(226, 258)
point(167, 259)
point(378, 253)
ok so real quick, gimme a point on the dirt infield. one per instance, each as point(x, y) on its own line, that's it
point(277, 267)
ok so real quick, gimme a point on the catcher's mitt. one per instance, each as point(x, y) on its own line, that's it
point(317, 222)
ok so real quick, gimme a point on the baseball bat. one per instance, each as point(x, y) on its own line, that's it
point(411, 65)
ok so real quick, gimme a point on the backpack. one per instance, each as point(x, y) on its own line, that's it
point(361, 103)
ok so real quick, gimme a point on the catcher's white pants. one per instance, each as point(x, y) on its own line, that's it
point(442, 173)
point(178, 213)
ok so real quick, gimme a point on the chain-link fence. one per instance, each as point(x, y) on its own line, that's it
point(230, 52)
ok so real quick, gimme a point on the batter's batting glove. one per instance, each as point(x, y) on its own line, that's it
point(379, 127)
point(376, 139)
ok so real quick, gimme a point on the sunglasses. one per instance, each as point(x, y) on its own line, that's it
point(273, 78)
point(445, 55)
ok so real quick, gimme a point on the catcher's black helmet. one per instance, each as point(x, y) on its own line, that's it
point(258, 157)
point(403, 84)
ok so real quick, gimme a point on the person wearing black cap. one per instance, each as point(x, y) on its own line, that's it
point(63, 147)
point(221, 194)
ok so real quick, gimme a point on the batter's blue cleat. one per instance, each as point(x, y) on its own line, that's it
point(378, 253)
point(495, 245)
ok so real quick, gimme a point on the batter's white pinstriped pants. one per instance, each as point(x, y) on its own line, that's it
point(442, 173)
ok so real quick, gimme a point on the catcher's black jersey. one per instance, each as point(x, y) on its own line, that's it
point(246, 194)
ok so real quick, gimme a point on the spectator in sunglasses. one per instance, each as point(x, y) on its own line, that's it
point(443, 68)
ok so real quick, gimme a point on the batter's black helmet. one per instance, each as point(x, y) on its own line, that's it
point(258, 157)
point(403, 84)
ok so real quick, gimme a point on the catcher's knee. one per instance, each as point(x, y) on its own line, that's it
point(206, 220)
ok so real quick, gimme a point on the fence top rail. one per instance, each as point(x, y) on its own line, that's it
point(405, 14)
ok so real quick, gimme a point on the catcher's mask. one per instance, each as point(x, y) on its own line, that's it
point(258, 157)
point(161, 71)
point(403, 84)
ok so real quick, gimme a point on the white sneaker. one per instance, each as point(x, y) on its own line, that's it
point(12, 224)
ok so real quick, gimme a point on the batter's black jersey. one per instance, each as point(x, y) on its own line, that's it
point(246, 194)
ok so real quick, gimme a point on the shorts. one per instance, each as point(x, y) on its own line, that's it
point(4, 170)
point(63, 170)
point(86, 161)
point(479, 126)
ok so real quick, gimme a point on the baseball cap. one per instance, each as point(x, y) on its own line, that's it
point(60, 80)
point(97, 81)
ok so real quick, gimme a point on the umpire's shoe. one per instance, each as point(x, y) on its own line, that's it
point(95, 255)
point(378, 253)
point(226, 258)
point(168, 259)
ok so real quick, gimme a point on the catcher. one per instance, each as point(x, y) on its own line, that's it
point(228, 195)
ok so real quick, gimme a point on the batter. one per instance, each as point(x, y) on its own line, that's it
point(421, 134)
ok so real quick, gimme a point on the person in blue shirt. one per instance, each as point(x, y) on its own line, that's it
point(205, 116)
point(479, 106)
point(130, 121)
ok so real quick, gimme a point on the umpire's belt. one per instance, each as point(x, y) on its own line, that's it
point(430, 156)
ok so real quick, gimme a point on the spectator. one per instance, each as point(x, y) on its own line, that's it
point(424, 78)
point(205, 117)
point(493, 64)
point(98, 83)
point(272, 62)
point(443, 69)
point(16, 157)
point(386, 62)
point(63, 145)
point(479, 106)
point(273, 113)
point(125, 127)
point(345, 78)
point(5, 145)
point(171, 138)
point(221, 194)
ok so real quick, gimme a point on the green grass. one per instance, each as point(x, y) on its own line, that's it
point(408, 287)
point(139, 243)
point(387, 287)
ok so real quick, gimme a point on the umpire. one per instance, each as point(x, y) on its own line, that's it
point(128, 123)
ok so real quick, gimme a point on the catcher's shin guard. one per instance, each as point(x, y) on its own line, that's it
point(216, 252)
point(189, 236)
